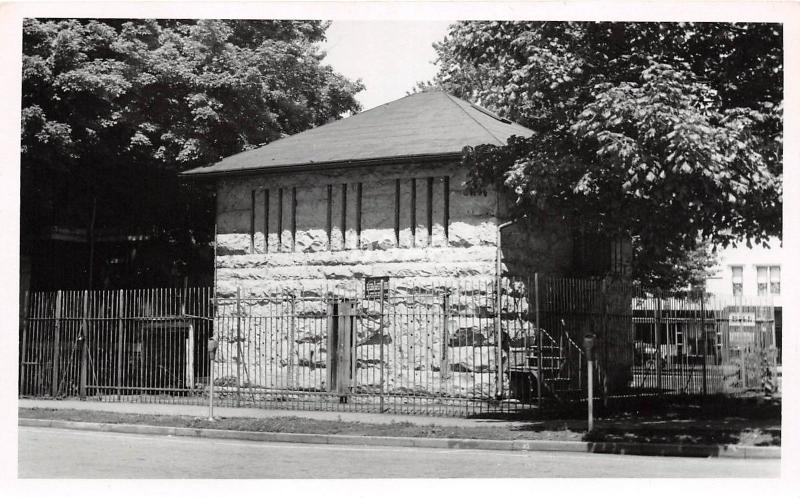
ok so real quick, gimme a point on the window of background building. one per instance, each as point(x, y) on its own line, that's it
point(762, 280)
point(775, 280)
point(768, 279)
point(736, 277)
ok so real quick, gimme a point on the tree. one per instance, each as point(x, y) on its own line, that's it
point(112, 110)
point(663, 132)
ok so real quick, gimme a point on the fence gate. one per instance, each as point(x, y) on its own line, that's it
point(340, 347)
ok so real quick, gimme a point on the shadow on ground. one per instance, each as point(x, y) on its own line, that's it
point(716, 421)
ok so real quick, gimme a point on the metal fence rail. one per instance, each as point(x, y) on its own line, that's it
point(444, 348)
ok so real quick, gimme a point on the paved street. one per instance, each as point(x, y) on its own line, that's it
point(56, 453)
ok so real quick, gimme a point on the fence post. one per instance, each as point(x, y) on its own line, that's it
point(605, 339)
point(24, 344)
point(238, 345)
point(658, 339)
point(56, 346)
point(498, 330)
point(120, 341)
point(84, 344)
point(292, 322)
point(444, 366)
point(538, 341)
point(380, 331)
point(703, 335)
point(590, 393)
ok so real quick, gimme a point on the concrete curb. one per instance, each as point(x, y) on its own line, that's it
point(684, 450)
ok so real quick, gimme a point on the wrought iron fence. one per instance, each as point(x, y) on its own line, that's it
point(689, 345)
point(448, 348)
point(123, 345)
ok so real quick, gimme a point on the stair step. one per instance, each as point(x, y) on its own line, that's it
point(536, 356)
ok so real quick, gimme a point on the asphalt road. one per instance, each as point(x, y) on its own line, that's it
point(59, 453)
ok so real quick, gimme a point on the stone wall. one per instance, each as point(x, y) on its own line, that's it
point(296, 230)
point(434, 342)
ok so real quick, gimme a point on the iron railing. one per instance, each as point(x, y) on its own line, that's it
point(431, 348)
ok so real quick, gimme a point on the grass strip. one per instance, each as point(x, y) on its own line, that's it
point(642, 430)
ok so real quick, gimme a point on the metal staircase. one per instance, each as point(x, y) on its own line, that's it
point(556, 363)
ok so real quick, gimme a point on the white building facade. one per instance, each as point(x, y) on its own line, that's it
point(744, 271)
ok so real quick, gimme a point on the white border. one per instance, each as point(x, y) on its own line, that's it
point(10, 47)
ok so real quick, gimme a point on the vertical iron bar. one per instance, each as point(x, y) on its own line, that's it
point(24, 349)
point(211, 371)
point(84, 345)
point(292, 327)
point(238, 345)
point(658, 340)
point(602, 372)
point(538, 341)
point(395, 345)
point(444, 367)
point(590, 396)
point(56, 345)
point(703, 335)
point(498, 332)
point(120, 342)
point(380, 331)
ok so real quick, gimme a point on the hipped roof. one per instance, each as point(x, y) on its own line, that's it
point(423, 125)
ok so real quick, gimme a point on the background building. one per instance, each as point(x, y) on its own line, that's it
point(744, 271)
point(755, 271)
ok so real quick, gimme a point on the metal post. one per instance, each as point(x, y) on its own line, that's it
point(605, 340)
point(23, 353)
point(56, 346)
point(292, 370)
point(658, 340)
point(497, 319)
point(120, 343)
point(211, 388)
point(705, 339)
point(444, 366)
point(215, 324)
point(380, 331)
point(538, 340)
point(84, 346)
point(238, 345)
point(590, 387)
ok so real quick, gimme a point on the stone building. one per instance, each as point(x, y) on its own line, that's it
point(380, 193)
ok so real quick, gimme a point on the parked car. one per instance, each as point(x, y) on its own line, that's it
point(645, 355)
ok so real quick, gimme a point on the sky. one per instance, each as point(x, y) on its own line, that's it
point(390, 57)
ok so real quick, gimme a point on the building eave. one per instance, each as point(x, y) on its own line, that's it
point(322, 166)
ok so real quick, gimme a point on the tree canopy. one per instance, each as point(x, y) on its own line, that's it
point(113, 109)
point(668, 133)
